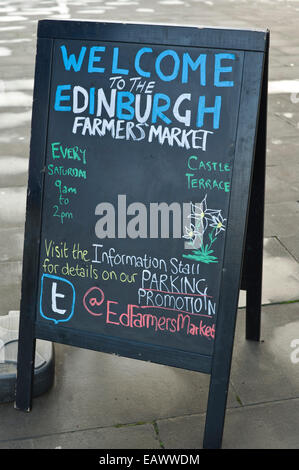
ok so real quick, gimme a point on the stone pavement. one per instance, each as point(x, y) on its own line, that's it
point(103, 402)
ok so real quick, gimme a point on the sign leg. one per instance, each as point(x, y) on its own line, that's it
point(253, 255)
point(254, 252)
point(25, 370)
point(215, 413)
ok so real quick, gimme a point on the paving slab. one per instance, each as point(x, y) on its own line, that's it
point(135, 436)
point(292, 245)
point(12, 206)
point(10, 282)
point(281, 219)
point(13, 171)
point(280, 152)
point(11, 246)
point(94, 390)
point(14, 144)
point(280, 271)
point(266, 426)
point(266, 380)
point(282, 184)
point(264, 371)
point(279, 125)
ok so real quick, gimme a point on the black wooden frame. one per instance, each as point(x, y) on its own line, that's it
point(242, 240)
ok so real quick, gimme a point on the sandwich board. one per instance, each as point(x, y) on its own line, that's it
point(145, 196)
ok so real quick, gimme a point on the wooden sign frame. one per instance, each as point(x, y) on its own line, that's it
point(244, 237)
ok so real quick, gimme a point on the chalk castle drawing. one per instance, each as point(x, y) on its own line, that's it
point(204, 228)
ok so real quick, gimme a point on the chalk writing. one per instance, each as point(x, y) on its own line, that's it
point(135, 316)
point(198, 167)
point(181, 63)
point(56, 252)
point(147, 264)
point(78, 155)
point(113, 259)
point(93, 299)
point(62, 171)
point(62, 215)
point(70, 153)
point(130, 108)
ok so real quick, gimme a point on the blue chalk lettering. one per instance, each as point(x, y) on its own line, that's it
point(122, 105)
point(59, 98)
point(93, 59)
point(91, 100)
point(174, 74)
point(202, 110)
point(115, 68)
point(71, 61)
point(158, 109)
point(219, 69)
point(188, 62)
point(138, 69)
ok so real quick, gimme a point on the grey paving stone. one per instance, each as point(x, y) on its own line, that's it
point(267, 426)
point(183, 432)
point(12, 143)
point(292, 245)
point(10, 286)
point(281, 219)
point(280, 268)
point(270, 426)
point(282, 183)
point(278, 127)
point(260, 372)
point(264, 371)
point(13, 71)
point(13, 171)
point(282, 152)
point(282, 100)
point(12, 206)
point(125, 437)
point(95, 390)
point(11, 246)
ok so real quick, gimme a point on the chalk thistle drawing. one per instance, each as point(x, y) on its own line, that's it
point(203, 232)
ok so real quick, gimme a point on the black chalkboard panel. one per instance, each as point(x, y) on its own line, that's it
point(136, 191)
point(140, 174)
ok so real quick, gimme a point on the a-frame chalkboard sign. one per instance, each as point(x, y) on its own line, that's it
point(145, 196)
